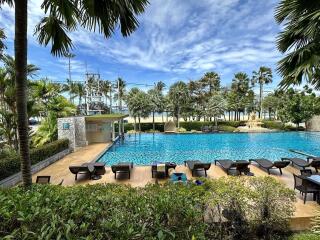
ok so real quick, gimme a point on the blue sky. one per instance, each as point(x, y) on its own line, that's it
point(176, 40)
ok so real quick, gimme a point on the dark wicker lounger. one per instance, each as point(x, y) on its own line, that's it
point(122, 167)
point(85, 169)
point(267, 164)
point(93, 169)
point(239, 165)
point(315, 162)
point(196, 165)
point(303, 163)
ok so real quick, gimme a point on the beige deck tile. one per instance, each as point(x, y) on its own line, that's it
point(141, 176)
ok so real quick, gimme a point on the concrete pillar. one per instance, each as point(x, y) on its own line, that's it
point(113, 131)
point(122, 127)
point(119, 128)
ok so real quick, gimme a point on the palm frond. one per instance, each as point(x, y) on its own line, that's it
point(51, 29)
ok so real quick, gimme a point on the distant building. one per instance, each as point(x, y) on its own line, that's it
point(84, 130)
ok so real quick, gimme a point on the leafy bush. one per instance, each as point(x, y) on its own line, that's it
point(305, 236)
point(227, 208)
point(10, 164)
point(196, 125)
point(273, 125)
point(226, 128)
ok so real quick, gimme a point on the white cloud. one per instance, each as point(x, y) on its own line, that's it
point(179, 37)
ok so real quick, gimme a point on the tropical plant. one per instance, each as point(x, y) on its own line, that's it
point(120, 89)
point(61, 18)
point(216, 107)
point(300, 41)
point(156, 103)
point(139, 105)
point(240, 96)
point(46, 132)
point(178, 95)
point(262, 77)
point(272, 103)
point(298, 106)
point(2, 45)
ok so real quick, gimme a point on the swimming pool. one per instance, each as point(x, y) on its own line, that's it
point(143, 149)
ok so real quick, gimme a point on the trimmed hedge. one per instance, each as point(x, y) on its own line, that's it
point(257, 208)
point(11, 164)
point(196, 125)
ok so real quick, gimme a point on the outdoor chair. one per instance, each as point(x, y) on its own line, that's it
point(267, 164)
point(240, 166)
point(306, 172)
point(196, 166)
point(45, 180)
point(83, 169)
point(159, 173)
point(304, 186)
point(122, 168)
point(315, 163)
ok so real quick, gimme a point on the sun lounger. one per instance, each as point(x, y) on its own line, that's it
point(267, 164)
point(158, 173)
point(93, 169)
point(196, 165)
point(83, 169)
point(315, 163)
point(240, 166)
point(122, 167)
point(45, 180)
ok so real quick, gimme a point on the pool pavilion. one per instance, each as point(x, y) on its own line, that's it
point(85, 130)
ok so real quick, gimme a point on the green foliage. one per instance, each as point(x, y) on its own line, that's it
point(299, 41)
point(298, 106)
point(10, 164)
point(197, 126)
point(225, 128)
point(316, 224)
point(171, 211)
point(273, 125)
point(305, 236)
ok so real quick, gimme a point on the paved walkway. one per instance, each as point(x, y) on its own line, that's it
point(141, 175)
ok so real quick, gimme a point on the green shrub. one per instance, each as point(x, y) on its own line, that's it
point(273, 125)
point(10, 165)
point(305, 236)
point(226, 128)
point(196, 125)
point(170, 211)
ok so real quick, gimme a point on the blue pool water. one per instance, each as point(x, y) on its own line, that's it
point(143, 149)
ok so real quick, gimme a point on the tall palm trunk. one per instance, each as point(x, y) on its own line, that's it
point(153, 125)
point(139, 118)
point(20, 49)
point(261, 92)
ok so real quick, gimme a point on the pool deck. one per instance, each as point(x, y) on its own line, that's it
point(141, 175)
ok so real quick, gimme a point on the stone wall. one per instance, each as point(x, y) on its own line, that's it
point(313, 124)
point(73, 128)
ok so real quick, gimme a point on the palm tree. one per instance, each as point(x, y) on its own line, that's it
point(106, 88)
point(160, 86)
point(300, 41)
point(178, 95)
point(212, 80)
point(2, 45)
point(61, 18)
point(262, 76)
point(121, 92)
point(216, 107)
point(240, 86)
